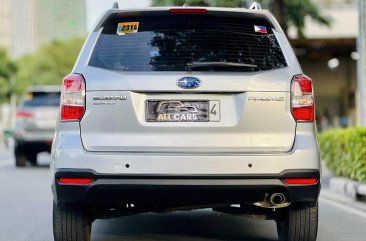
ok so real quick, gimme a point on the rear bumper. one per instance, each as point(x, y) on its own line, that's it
point(68, 152)
point(181, 190)
point(38, 145)
point(22, 135)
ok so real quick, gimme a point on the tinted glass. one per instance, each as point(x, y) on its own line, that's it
point(35, 99)
point(178, 43)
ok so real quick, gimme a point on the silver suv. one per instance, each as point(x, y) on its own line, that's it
point(185, 108)
point(35, 123)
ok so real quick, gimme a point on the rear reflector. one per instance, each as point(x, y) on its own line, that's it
point(73, 98)
point(67, 180)
point(188, 11)
point(300, 181)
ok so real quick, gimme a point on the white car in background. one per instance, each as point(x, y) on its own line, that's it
point(35, 123)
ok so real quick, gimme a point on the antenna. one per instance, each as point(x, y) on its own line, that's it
point(115, 5)
point(255, 6)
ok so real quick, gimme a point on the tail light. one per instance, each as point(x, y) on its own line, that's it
point(302, 103)
point(77, 181)
point(24, 114)
point(300, 181)
point(72, 98)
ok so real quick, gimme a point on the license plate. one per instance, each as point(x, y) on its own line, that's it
point(177, 111)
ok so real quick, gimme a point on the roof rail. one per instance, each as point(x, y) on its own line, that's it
point(115, 5)
point(255, 6)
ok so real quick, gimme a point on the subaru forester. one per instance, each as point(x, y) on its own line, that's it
point(186, 108)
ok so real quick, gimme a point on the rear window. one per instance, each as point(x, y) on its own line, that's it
point(39, 98)
point(188, 43)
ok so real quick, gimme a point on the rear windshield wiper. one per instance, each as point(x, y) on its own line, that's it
point(193, 65)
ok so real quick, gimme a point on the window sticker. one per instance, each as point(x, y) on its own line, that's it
point(127, 27)
point(28, 96)
point(260, 29)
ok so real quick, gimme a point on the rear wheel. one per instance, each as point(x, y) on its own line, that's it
point(32, 157)
point(71, 223)
point(20, 158)
point(298, 223)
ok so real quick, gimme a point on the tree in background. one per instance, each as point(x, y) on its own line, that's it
point(7, 72)
point(287, 12)
point(295, 12)
point(48, 65)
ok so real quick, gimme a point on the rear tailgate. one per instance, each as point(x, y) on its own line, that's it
point(44, 118)
point(38, 111)
point(252, 114)
point(242, 107)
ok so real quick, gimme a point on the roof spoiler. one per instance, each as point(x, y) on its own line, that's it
point(254, 6)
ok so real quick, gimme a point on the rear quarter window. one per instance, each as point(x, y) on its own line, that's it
point(188, 43)
point(41, 99)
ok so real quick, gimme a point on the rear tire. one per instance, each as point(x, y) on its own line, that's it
point(20, 158)
point(71, 223)
point(32, 157)
point(298, 223)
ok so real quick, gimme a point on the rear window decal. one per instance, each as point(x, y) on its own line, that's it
point(260, 29)
point(127, 27)
point(28, 96)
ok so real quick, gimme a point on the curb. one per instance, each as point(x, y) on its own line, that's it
point(345, 187)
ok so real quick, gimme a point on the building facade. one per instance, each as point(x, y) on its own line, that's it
point(5, 23)
point(27, 24)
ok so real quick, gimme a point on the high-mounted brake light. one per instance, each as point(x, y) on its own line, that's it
point(76, 181)
point(188, 11)
point(302, 103)
point(300, 181)
point(72, 98)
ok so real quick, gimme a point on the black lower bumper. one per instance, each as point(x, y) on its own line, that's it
point(33, 146)
point(181, 190)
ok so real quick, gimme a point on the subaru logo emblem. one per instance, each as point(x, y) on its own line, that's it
point(189, 83)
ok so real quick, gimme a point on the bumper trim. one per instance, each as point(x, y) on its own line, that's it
point(88, 173)
point(181, 190)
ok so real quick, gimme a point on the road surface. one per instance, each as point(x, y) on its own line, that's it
point(26, 209)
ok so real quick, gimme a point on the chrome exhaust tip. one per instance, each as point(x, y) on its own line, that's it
point(273, 200)
point(277, 199)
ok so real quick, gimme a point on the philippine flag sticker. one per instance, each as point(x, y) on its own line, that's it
point(260, 29)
